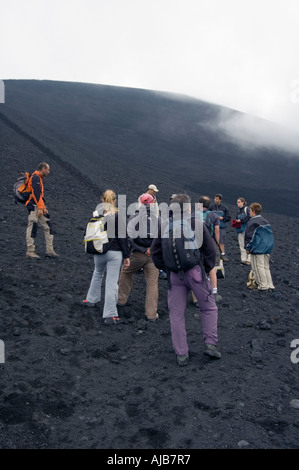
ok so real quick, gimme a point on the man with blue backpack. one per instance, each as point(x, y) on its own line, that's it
point(211, 219)
point(259, 242)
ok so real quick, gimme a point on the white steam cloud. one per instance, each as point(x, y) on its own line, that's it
point(251, 131)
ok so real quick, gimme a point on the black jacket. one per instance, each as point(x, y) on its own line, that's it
point(222, 208)
point(119, 241)
point(243, 215)
point(142, 228)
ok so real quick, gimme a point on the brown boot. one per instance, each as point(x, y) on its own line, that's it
point(51, 254)
point(32, 255)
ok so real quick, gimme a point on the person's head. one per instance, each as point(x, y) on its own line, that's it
point(109, 201)
point(217, 199)
point(152, 190)
point(182, 199)
point(44, 169)
point(255, 209)
point(241, 202)
point(146, 199)
point(205, 201)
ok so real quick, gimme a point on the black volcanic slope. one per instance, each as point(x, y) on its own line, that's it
point(71, 382)
point(114, 135)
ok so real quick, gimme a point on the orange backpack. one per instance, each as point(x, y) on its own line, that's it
point(22, 188)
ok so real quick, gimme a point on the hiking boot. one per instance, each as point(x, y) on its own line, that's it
point(252, 286)
point(212, 350)
point(87, 304)
point(32, 255)
point(182, 360)
point(217, 297)
point(51, 254)
point(154, 318)
point(112, 321)
point(246, 263)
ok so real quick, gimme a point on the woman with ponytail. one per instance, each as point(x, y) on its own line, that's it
point(241, 220)
point(110, 261)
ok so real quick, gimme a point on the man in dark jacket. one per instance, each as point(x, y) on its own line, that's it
point(224, 217)
point(194, 280)
point(142, 227)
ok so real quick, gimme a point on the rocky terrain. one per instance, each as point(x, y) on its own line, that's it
point(71, 382)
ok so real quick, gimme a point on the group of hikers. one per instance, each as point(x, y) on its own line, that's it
point(186, 249)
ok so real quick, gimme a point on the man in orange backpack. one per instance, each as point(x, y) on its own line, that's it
point(38, 214)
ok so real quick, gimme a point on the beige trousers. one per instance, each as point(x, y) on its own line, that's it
point(260, 265)
point(33, 222)
point(137, 261)
point(244, 255)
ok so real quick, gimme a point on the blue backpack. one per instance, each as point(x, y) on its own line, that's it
point(262, 241)
point(207, 221)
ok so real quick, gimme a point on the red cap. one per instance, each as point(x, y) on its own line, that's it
point(146, 199)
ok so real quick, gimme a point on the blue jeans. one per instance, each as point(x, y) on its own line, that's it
point(110, 263)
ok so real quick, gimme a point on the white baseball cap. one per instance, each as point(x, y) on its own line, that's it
point(154, 188)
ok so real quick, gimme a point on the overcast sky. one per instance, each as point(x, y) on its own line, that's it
point(243, 54)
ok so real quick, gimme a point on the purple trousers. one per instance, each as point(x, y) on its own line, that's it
point(177, 299)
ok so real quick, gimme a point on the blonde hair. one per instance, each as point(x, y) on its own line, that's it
point(109, 198)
